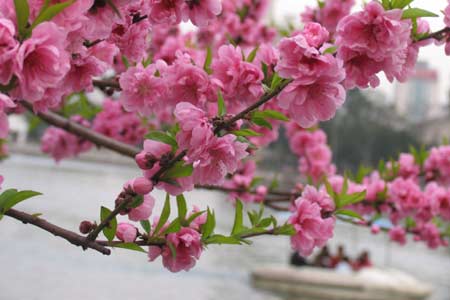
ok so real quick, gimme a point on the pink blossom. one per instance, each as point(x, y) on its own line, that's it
point(200, 12)
point(309, 99)
point(311, 229)
point(114, 122)
point(189, 83)
point(8, 49)
point(168, 12)
point(371, 41)
point(333, 11)
point(142, 89)
point(374, 186)
point(437, 164)
point(375, 229)
point(41, 61)
point(439, 199)
point(408, 167)
point(140, 185)
point(198, 221)
point(62, 144)
point(188, 247)
point(406, 194)
point(430, 234)
point(143, 211)
point(5, 103)
point(315, 34)
point(241, 80)
point(398, 234)
point(126, 232)
point(319, 196)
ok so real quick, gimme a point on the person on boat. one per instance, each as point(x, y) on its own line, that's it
point(335, 260)
point(363, 261)
point(323, 259)
point(344, 266)
point(297, 260)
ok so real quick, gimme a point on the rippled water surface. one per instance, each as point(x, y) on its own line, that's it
point(38, 266)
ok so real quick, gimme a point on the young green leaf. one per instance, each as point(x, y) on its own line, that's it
point(330, 50)
point(173, 251)
point(164, 216)
point(163, 138)
point(174, 226)
point(182, 207)
point(146, 226)
point(273, 114)
point(400, 3)
point(222, 110)
point(349, 213)
point(251, 57)
point(49, 12)
point(386, 4)
point(208, 60)
point(194, 216)
point(210, 224)
point(110, 230)
point(238, 225)
point(286, 229)
point(179, 170)
point(221, 239)
point(261, 122)
point(412, 13)
point(11, 199)
point(276, 80)
point(137, 201)
point(130, 246)
point(245, 132)
point(22, 14)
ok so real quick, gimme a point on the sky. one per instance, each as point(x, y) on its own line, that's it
point(289, 10)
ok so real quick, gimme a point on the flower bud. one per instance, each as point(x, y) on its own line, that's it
point(126, 232)
point(142, 186)
point(86, 227)
point(375, 229)
point(141, 160)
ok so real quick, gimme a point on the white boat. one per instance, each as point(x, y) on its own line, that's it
point(316, 284)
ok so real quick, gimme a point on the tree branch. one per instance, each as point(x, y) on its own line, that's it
point(84, 132)
point(438, 35)
point(70, 236)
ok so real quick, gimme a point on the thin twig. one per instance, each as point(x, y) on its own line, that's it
point(70, 236)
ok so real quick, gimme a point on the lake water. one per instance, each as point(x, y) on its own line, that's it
point(38, 266)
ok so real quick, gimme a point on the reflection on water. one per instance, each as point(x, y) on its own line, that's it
point(39, 266)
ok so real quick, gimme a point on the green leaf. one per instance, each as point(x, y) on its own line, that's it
point(174, 226)
point(110, 230)
point(286, 229)
point(208, 60)
point(351, 199)
point(400, 3)
point(273, 114)
point(137, 201)
point(194, 216)
point(412, 13)
point(163, 138)
point(330, 50)
point(221, 240)
point(22, 14)
point(386, 4)
point(173, 251)
point(349, 213)
point(245, 132)
point(261, 122)
point(11, 198)
point(276, 80)
point(50, 12)
point(130, 246)
point(146, 226)
point(222, 110)
point(125, 61)
point(164, 215)
point(266, 222)
point(238, 225)
point(179, 170)
point(210, 224)
point(251, 57)
point(182, 207)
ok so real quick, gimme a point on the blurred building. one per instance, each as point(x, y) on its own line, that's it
point(417, 99)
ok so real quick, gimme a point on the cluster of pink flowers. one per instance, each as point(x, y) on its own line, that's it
point(316, 91)
point(375, 40)
point(310, 220)
point(114, 122)
point(212, 157)
point(329, 13)
point(437, 166)
point(61, 144)
point(310, 145)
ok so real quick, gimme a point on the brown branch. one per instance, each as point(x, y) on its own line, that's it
point(243, 190)
point(84, 132)
point(103, 84)
point(438, 35)
point(70, 236)
point(265, 98)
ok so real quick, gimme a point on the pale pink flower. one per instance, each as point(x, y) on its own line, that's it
point(143, 211)
point(126, 232)
point(142, 90)
point(241, 80)
point(41, 61)
point(315, 34)
point(8, 50)
point(188, 247)
point(200, 12)
point(311, 229)
point(398, 234)
point(319, 196)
